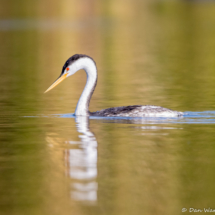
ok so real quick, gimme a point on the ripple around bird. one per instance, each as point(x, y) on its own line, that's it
point(189, 117)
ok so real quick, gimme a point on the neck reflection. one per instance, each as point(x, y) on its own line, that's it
point(82, 163)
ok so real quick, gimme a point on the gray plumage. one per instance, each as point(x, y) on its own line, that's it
point(137, 111)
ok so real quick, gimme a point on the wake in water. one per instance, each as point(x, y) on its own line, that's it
point(203, 117)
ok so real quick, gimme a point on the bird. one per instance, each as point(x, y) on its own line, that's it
point(82, 61)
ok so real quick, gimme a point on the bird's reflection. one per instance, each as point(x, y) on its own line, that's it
point(80, 162)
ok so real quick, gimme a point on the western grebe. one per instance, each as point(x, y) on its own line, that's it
point(80, 61)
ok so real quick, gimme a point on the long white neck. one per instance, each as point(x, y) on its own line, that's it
point(82, 108)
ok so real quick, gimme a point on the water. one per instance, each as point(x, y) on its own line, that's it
point(147, 52)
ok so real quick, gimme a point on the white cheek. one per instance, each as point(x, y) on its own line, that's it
point(76, 66)
point(71, 71)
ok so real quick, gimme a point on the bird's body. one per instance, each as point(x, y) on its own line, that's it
point(77, 62)
point(137, 111)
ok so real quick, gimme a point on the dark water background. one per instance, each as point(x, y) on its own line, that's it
point(147, 52)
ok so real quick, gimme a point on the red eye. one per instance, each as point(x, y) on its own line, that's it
point(67, 69)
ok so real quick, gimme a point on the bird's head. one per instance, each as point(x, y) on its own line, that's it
point(72, 65)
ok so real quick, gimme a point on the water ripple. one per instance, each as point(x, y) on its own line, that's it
point(197, 117)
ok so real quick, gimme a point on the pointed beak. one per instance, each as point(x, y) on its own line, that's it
point(60, 79)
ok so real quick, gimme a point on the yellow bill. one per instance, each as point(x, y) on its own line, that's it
point(60, 79)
